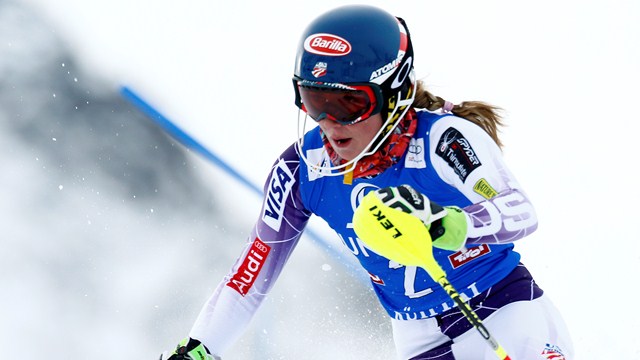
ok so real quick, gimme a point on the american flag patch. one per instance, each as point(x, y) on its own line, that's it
point(552, 352)
point(320, 69)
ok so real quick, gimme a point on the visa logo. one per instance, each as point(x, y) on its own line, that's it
point(280, 183)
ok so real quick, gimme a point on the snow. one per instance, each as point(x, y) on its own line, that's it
point(565, 72)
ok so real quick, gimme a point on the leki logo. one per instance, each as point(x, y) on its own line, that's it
point(246, 275)
point(327, 45)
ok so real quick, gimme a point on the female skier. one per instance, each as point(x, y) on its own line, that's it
point(379, 130)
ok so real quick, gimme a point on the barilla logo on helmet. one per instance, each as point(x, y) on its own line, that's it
point(327, 45)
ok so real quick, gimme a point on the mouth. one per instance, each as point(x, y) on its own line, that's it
point(342, 142)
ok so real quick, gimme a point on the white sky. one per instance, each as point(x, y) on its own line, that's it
point(566, 73)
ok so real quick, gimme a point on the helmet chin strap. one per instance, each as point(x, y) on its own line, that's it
point(321, 165)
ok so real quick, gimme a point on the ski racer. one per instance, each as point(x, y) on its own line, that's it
point(380, 130)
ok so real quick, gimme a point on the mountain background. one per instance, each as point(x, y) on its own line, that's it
point(114, 234)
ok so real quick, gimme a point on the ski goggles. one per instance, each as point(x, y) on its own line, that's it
point(344, 103)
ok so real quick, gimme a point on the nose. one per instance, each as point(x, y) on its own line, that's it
point(328, 125)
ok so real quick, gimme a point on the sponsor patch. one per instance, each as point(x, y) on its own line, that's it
point(376, 279)
point(327, 45)
point(460, 258)
point(552, 352)
point(380, 75)
point(483, 188)
point(320, 158)
point(458, 153)
point(248, 271)
point(280, 184)
point(320, 69)
point(415, 155)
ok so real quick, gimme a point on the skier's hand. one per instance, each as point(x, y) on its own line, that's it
point(451, 232)
point(447, 225)
point(188, 349)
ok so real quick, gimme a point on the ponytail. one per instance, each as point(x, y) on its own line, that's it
point(480, 113)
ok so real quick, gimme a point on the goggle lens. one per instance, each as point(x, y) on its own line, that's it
point(346, 105)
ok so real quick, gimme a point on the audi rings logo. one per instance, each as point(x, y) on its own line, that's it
point(415, 148)
point(261, 246)
point(327, 45)
point(416, 154)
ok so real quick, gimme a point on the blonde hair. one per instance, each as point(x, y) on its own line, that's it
point(480, 113)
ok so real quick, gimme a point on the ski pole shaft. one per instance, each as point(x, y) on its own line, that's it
point(472, 317)
point(409, 243)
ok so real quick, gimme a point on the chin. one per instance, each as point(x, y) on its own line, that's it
point(343, 156)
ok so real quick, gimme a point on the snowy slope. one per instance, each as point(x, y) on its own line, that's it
point(114, 234)
point(565, 73)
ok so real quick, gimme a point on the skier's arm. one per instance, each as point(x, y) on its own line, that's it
point(468, 159)
point(229, 310)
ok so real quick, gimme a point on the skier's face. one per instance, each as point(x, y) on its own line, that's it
point(350, 140)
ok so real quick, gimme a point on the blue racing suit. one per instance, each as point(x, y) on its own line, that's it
point(450, 160)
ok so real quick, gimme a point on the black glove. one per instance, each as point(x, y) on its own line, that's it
point(447, 225)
